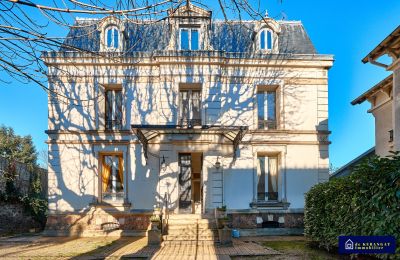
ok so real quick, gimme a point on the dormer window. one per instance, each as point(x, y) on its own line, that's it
point(266, 40)
point(189, 39)
point(112, 37)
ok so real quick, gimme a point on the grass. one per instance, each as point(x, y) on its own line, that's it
point(295, 249)
point(300, 249)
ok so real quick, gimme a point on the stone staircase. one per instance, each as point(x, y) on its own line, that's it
point(189, 228)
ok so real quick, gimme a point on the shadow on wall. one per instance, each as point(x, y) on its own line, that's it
point(74, 162)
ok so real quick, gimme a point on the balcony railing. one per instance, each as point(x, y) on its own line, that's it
point(267, 196)
point(114, 124)
point(189, 123)
point(267, 124)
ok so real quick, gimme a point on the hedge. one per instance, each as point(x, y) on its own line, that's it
point(365, 203)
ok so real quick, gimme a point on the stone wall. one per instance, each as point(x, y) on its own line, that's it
point(13, 218)
point(97, 222)
point(283, 220)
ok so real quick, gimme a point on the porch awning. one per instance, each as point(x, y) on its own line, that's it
point(145, 133)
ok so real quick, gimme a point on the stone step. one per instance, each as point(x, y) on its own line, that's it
point(206, 232)
point(190, 238)
point(189, 242)
point(189, 221)
point(185, 216)
point(192, 226)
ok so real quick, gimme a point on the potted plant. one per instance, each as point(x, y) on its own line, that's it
point(220, 212)
point(154, 234)
point(155, 222)
point(224, 232)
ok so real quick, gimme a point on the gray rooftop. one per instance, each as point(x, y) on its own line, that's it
point(225, 36)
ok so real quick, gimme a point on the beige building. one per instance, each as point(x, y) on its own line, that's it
point(187, 114)
point(385, 96)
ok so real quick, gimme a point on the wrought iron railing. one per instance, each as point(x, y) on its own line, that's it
point(189, 123)
point(114, 124)
point(267, 196)
point(165, 214)
point(267, 124)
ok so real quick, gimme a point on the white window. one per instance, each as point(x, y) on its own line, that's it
point(266, 106)
point(112, 183)
point(190, 107)
point(112, 37)
point(267, 178)
point(266, 39)
point(113, 109)
point(189, 39)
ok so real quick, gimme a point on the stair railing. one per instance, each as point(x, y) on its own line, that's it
point(166, 213)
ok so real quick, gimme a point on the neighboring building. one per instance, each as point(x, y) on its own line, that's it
point(385, 96)
point(347, 169)
point(210, 113)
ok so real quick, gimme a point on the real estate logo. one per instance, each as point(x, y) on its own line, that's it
point(367, 245)
point(349, 245)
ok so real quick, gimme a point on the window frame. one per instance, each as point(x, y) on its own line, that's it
point(113, 126)
point(117, 197)
point(190, 120)
point(189, 29)
point(278, 177)
point(274, 123)
point(115, 30)
point(266, 31)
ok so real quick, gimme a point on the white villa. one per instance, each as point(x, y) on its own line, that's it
point(188, 114)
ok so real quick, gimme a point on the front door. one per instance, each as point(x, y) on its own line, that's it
point(185, 183)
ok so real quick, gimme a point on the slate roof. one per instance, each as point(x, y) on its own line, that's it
point(225, 36)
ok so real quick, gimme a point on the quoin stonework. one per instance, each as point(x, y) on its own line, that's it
point(189, 113)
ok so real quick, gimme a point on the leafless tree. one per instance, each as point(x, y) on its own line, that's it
point(28, 28)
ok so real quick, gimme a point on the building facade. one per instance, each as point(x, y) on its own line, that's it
point(189, 114)
point(384, 97)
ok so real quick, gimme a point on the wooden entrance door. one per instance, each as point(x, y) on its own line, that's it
point(185, 183)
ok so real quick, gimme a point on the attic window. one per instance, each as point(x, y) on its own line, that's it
point(189, 39)
point(112, 37)
point(266, 39)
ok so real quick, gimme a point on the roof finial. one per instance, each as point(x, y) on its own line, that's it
point(187, 3)
point(266, 13)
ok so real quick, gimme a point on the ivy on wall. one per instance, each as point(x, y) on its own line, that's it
point(365, 203)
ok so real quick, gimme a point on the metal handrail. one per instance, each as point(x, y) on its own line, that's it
point(166, 213)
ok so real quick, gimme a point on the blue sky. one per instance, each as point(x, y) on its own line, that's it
point(346, 29)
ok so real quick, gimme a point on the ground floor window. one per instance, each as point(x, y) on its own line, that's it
point(112, 177)
point(267, 178)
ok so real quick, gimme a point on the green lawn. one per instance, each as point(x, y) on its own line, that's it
point(296, 249)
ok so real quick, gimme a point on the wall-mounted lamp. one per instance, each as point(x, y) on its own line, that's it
point(217, 163)
point(163, 164)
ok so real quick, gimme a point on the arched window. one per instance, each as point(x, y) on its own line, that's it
point(266, 39)
point(112, 37)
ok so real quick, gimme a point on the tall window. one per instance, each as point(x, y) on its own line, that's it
point(112, 37)
point(112, 185)
point(190, 107)
point(113, 110)
point(266, 104)
point(189, 39)
point(266, 39)
point(267, 178)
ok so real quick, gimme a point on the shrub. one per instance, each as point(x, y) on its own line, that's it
point(366, 203)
